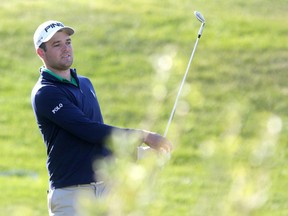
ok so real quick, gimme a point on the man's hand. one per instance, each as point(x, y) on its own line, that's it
point(157, 142)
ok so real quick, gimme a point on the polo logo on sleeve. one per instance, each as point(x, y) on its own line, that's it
point(57, 108)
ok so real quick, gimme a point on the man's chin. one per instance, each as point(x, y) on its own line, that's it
point(67, 65)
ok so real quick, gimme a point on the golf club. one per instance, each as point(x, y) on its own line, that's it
point(143, 149)
point(200, 17)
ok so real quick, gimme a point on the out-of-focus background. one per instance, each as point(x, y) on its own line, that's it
point(230, 127)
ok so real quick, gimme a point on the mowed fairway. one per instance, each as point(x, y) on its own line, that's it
point(230, 129)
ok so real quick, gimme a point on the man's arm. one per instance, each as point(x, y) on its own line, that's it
point(54, 105)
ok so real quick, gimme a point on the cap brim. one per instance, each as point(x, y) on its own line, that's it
point(70, 31)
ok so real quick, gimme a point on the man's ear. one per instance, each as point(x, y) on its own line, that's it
point(40, 52)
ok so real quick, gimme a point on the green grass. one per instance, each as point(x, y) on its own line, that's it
point(230, 129)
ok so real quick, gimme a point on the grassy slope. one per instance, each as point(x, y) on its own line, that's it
point(226, 162)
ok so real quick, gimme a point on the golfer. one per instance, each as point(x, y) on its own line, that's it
point(70, 121)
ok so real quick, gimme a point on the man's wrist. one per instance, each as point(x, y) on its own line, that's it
point(144, 136)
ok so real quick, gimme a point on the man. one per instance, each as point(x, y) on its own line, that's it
point(70, 121)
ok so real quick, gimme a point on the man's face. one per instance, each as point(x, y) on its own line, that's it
point(59, 52)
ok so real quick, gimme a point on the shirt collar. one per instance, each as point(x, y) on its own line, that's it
point(61, 79)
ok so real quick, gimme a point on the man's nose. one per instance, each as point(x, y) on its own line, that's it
point(66, 47)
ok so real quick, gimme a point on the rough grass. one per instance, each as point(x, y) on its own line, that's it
point(230, 129)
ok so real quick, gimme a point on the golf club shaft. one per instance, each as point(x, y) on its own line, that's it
point(183, 80)
point(142, 151)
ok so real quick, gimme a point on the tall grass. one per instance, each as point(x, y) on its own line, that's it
point(229, 131)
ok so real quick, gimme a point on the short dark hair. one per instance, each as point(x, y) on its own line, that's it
point(43, 46)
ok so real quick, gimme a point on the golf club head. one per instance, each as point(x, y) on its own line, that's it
point(199, 16)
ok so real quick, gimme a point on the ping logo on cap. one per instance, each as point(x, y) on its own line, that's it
point(53, 25)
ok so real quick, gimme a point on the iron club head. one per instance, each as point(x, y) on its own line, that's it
point(199, 16)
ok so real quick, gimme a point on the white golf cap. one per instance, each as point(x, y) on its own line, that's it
point(46, 30)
